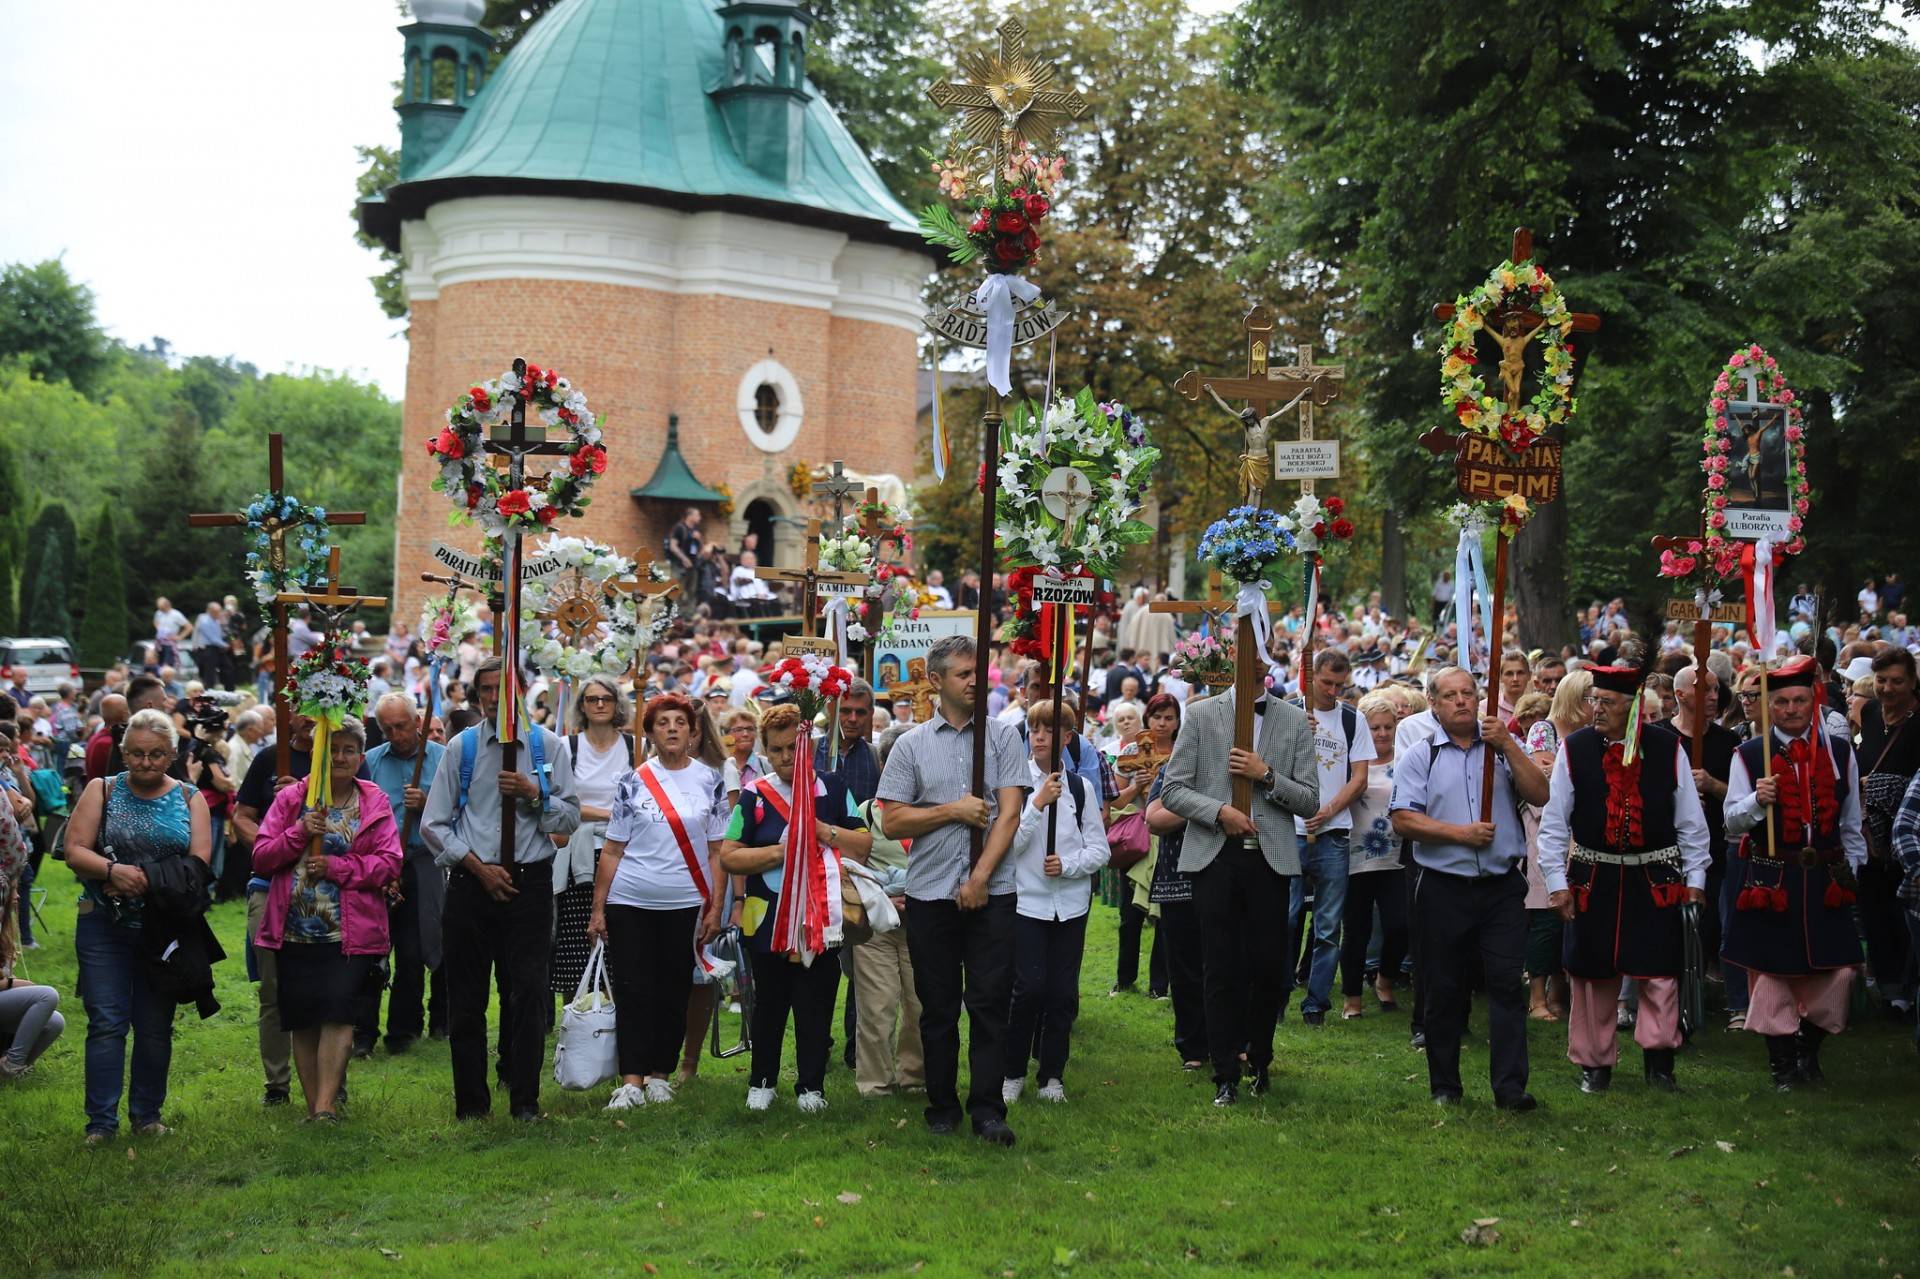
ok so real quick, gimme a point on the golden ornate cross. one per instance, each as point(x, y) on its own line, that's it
point(1006, 98)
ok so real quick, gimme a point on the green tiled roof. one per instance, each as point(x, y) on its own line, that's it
point(610, 98)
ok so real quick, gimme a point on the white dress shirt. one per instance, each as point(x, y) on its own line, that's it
point(1689, 825)
point(1744, 812)
point(1081, 847)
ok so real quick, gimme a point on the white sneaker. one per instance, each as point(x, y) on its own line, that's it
point(759, 1098)
point(1010, 1089)
point(1054, 1091)
point(659, 1090)
point(734, 1008)
point(812, 1102)
point(626, 1097)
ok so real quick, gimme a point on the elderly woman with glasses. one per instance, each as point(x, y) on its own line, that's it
point(602, 752)
point(122, 826)
point(326, 918)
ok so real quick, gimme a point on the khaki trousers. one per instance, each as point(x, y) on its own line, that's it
point(274, 1044)
point(883, 991)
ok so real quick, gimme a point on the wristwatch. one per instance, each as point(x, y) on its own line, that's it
point(1266, 783)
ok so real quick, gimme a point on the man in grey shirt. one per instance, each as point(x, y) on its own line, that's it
point(497, 915)
point(960, 911)
point(1469, 888)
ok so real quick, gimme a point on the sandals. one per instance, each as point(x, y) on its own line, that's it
point(1542, 1012)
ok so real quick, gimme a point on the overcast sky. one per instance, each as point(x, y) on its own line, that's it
point(194, 163)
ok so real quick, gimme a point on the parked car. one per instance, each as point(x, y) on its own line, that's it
point(48, 662)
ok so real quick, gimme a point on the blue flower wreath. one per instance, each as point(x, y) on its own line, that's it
point(306, 542)
point(1247, 544)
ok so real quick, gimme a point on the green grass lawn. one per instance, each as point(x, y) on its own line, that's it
point(1346, 1169)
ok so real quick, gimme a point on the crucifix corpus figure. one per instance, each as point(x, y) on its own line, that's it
point(277, 559)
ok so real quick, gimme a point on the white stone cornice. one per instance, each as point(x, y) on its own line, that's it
point(882, 284)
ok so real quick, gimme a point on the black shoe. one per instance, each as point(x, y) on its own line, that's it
point(943, 1127)
point(1262, 1082)
point(438, 1032)
point(1660, 1070)
point(1595, 1079)
point(1519, 1103)
point(1446, 1098)
point(463, 1116)
point(340, 1098)
point(276, 1097)
point(1419, 1042)
point(1226, 1095)
point(362, 1049)
point(1156, 994)
point(528, 1116)
point(1121, 988)
point(1783, 1062)
point(395, 1047)
point(995, 1131)
point(1807, 1052)
point(1314, 1019)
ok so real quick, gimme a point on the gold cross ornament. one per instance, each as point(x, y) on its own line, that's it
point(1006, 98)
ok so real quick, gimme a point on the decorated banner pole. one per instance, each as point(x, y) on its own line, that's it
point(439, 631)
point(1508, 456)
point(1069, 487)
point(270, 518)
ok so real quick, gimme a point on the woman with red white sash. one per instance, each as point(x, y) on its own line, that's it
point(796, 979)
point(653, 898)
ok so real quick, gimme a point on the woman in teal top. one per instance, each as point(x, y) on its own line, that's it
point(121, 825)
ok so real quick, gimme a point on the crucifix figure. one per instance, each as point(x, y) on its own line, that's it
point(1006, 97)
point(837, 488)
point(811, 576)
point(277, 560)
point(512, 445)
point(872, 529)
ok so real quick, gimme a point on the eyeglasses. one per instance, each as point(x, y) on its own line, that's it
point(602, 700)
point(146, 757)
point(1748, 697)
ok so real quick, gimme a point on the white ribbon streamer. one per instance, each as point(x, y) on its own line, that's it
point(995, 300)
point(1469, 577)
point(1763, 595)
point(837, 626)
point(1251, 602)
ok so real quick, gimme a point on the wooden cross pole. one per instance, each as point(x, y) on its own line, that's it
point(1248, 666)
point(1320, 375)
point(512, 445)
point(1260, 388)
point(454, 583)
point(277, 559)
point(1512, 327)
point(332, 606)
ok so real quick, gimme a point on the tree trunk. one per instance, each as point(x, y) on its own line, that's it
point(1393, 565)
point(1538, 586)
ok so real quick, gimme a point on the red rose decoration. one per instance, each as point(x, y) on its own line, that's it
point(980, 480)
point(448, 445)
point(1009, 251)
point(514, 502)
point(592, 458)
point(547, 514)
point(1343, 529)
point(980, 224)
point(1010, 222)
point(474, 492)
point(1334, 506)
point(1320, 529)
point(1018, 195)
point(1037, 207)
point(533, 374)
point(1030, 239)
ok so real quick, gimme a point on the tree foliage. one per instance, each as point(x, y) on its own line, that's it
point(51, 555)
point(11, 498)
point(105, 626)
point(46, 317)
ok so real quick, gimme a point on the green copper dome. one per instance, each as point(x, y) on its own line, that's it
point(641, 100)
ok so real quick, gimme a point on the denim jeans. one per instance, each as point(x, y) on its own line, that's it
point(1323, 863)
point(114, 989)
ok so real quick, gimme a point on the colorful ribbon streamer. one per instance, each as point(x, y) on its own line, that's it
point(1469, 578)
point(1756, 566)
point(942, 447)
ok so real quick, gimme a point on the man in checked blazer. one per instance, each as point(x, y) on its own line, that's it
point(1240, 863)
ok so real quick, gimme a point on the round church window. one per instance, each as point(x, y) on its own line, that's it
point(770, 407)
point(766, 407)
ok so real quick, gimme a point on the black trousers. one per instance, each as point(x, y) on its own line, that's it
point(1386, 889)
point(807, 991)
point(215, 666)
point(1133, 919)
point(1883, 926)
point(1046, 994)
point(481, 935)
point(406, 1014)
point(1419, 1010)
point(650, 967)
point(1465, 924)
point(963, 957)
point(1186, 970)
point(1241, 903)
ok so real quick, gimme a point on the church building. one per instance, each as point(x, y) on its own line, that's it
point(648, 196)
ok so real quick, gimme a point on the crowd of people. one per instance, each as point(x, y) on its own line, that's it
point(1575, 855)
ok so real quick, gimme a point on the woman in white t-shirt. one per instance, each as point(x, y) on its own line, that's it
point(601, 753)
point(652, 896)
point(1375, 874)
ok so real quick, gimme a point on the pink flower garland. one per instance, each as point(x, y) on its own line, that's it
point(1714, 555)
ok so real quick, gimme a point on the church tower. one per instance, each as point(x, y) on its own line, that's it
point(649, 196)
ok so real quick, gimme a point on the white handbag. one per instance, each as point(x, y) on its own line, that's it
point(881, 916)
point(585, 1053)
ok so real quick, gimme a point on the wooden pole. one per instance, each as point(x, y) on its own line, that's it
point(1493, 667)
point(1248, 673)
point(1061, 661)
point(983, 627)
point(1766, 762)
point(282, 699)
point(1702, 641)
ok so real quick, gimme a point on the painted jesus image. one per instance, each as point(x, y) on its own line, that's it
point(1757, 476)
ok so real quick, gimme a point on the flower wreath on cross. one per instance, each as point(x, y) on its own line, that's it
point(330, 683)
point(1463, 390)
point(1108, 444)
point(305, 541)
point(444, 625)
point(479, 492)
point(612, 650)
point(1714, 556)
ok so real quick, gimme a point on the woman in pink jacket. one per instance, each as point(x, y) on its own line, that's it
point(326, 912)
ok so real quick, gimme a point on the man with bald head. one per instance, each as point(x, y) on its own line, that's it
point(114, 713)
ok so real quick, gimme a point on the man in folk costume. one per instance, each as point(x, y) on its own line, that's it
point(1792, 926)
point(1623, 842)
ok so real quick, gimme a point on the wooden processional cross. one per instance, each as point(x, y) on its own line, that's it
point(511, 445)
point(811, 578)
point(871, 529)
point(1486, 472)
point(277, 561)
point(1262, 388)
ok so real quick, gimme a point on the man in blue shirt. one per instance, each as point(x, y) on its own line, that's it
point(1469, 888)
point(414, 903)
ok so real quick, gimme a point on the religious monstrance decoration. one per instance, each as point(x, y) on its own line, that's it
point(1506, 459)
point(1010, 110)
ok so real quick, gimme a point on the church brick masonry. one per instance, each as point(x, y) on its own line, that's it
point(647, 196)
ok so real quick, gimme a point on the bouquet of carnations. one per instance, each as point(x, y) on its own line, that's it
point(1316, 525)
point(1203, 658)
point(813, 681)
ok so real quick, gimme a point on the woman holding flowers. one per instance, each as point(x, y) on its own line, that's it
point(756, 846)
point(326, 917)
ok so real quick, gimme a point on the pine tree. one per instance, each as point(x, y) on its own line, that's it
point(50, 558)
point(104, 629)
point(10, 541)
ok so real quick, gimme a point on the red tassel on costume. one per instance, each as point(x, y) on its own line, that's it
point(1751, 898)
point(1777, 898)
point(1838, 897)
point(1582, 895)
